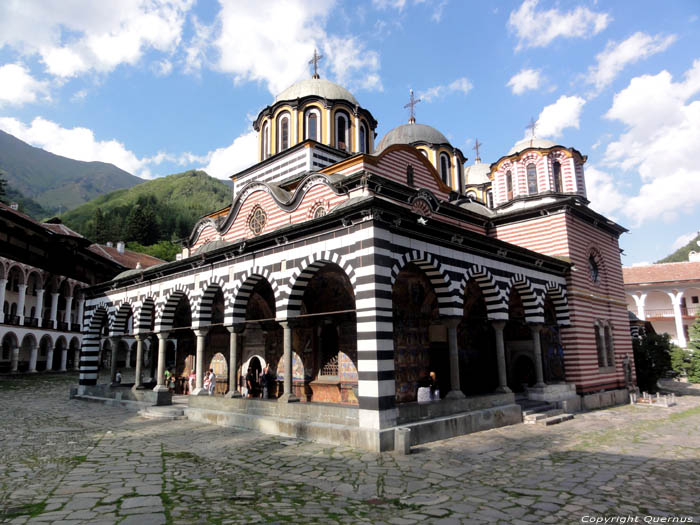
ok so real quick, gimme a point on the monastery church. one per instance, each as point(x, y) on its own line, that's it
point(353, 268)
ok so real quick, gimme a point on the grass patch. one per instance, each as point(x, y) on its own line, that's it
point(180, 455)
point(30, 509)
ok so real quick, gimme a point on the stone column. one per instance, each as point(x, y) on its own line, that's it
point(3, 284)
point(49, 359)
point(639, 301)
point(54, 310)
point(288, 396)
point(39, 307)
point(76, 359)
point(140, 338)
point(20, 302)
point(498, 327)
point(201, 334)
point(15, 359)
point(160, 378)
point(64, 358)
point(233, 361)
point(127, 364)
point(455, 388)
point(114, 340)
point(81, 309)
point(678, 315)
point(66, 315)
point(32, 359)
point(535, 329)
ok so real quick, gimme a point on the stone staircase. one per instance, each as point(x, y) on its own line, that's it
point(542, 413)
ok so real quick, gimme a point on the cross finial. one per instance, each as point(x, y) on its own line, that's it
point(412, 104)
point(476, 147)
point(315, 60)
point(532, 127)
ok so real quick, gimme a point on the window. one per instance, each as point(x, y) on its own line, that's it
point(283, 138)
point(610, 353)
point(531, 179)
point(341, 131)
point(425, 153)
point(364, 144)
point(694, 299)
point(489, 199)
point(445, 168)
point(509, 185)
point(471, 195)
point(409, 175)
point(312, 125)
point(556, 168)
point(257, 220)
point(320, 211)
point(460, 182)
point(599, 344)
point(593, 269)
point(266, 141)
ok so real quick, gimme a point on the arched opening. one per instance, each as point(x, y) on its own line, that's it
point(550, 342)
point(282, 132)
point(265, 153)
point(445, 168)
point(477, 345)
point(325, 339)
point(28, 354)
point(364, 139)
point(556, 174)
point(313, 125)
point(509, 185)
point(58, 352)
point(73, 357)
point(520, 354)
point(45, 358)
point(342, 131)
point(15, 278)
point(419, 341)
point(34, 283)
point(64, 292)
point(181, 343)
point(531, 179)
point(9, 343)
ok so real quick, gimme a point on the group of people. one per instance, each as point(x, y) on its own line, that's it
point(257, 385)
point(427, 388)
point(209, 382)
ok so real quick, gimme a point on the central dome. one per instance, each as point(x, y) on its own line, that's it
point(530, 143)
point(410, 134)
point(319, 87)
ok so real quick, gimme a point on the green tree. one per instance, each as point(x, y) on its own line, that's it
point(652, 359)
point(100, 233)
point(3, 191)
point(694, 346)
point(681, 360)
point(142, 225)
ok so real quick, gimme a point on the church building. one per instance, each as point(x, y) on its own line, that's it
point(347, 271)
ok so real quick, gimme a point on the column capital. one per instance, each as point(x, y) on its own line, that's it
point(535, 327)
point(22, 286)
point(202, 331)
point(162, 335)
point(141, 337)
point(498, 324)
point(452, 321)
point(290, 322)
point(236, 328)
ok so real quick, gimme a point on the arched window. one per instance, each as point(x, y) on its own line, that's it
point(460, 182)
point(531, 179)
point(424, 152)
point(593, 270)
point(556, 168)
point(445, 168)
point(313, 125)
point(509, 185)
point(599, 344)
point(283, 132)
point(610, 352)
point(342, 131)
point(489, 199)
point(265, 141)
point(471, 195)
point(364, 143)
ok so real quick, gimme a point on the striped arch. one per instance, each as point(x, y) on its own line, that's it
point(447, 303)
point(303, 274)
point(235, 311)
point(201, 315)
point(496, 305)
point(533, 304)
point(121, 320)
point(142, 315)
point(165, 312)
point(91, 345)
point(561, 304)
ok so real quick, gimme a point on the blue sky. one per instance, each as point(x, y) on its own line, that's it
point(158, 87)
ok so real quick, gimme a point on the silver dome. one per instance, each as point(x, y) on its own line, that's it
point(530, 143)
point(411, 133)
point(319, 87)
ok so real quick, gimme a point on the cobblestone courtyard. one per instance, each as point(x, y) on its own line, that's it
point(76, 462)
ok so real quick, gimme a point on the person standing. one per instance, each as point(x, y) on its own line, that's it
point(212, 381)
point(190, 380)
point(264, 381)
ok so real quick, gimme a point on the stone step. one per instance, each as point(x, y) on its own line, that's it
point(537, 416)
point(168, 413)
point(538, 409)
point(555, 419)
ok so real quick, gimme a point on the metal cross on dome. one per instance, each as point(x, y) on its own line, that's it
point(476, 147)
point(315, 60)
point(412, 104)
point(532, 126)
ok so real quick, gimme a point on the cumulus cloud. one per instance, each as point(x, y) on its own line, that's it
point(461, 85)
point(539, 28)
point(242, 153)
point(661, 142)
point(555, 118)
point(526, 80)
point(617, 55)
point(17, 86)
point(602, 191)
point(77, 37)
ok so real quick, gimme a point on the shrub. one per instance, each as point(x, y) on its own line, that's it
point(652, 359)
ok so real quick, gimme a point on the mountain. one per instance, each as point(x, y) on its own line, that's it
point(160, 209)
point(54, 182)
point(681, 254)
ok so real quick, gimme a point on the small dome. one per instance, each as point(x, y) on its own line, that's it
point(319, 87)
point(477, 173)
point(530, 143)
point(411, 133)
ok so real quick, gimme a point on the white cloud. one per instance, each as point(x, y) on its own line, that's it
point(76, 143)
point(564, 113)
point(661, 143)
point(682, 240)
point(602, 191)
point(525, 80)
point(349, 60)
point(539, 28)
point(78, 37)
point(617, 55)
point(18, 87)
point(461, 85)
point(242, 153)
point(163, 68)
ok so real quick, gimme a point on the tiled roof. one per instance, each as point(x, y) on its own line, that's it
point(128, 259)
point(659, 273)
point(61, 229)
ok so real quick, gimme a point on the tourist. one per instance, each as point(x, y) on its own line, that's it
point(264, 381)
point(205, 385)
point(118, 377)
point(434, 390)
point(250, 381)
point(191, 380)
point(212, 382)
point(166, 377)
